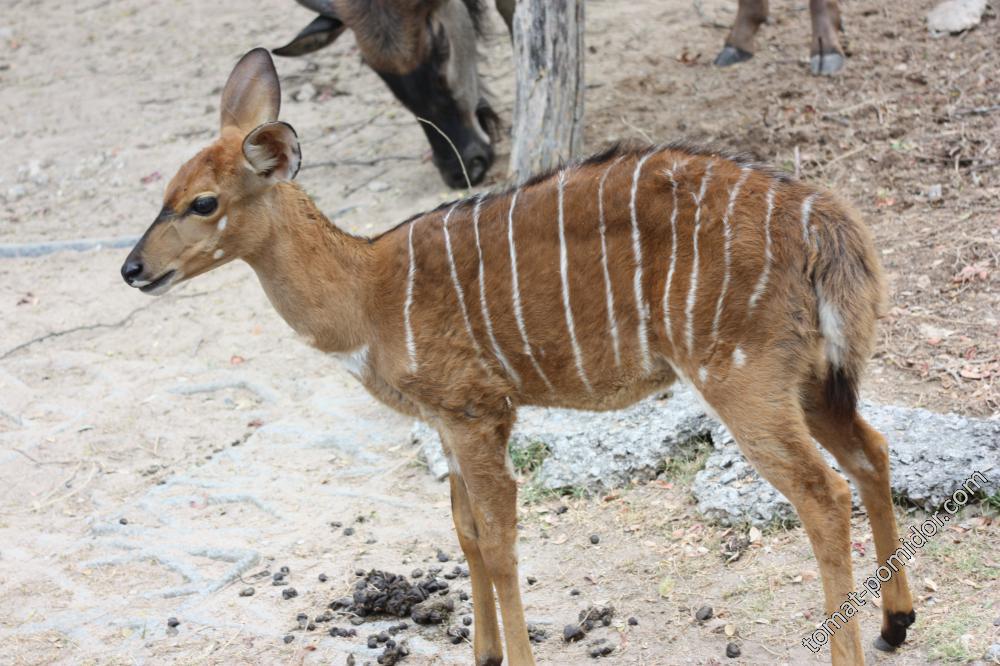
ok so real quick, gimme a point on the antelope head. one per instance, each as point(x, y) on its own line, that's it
point(206, 219)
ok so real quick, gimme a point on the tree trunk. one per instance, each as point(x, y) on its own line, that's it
point(548, 103)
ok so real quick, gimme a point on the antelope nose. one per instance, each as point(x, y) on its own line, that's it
point(131, 269)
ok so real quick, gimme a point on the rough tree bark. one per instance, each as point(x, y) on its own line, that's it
point(548, 104)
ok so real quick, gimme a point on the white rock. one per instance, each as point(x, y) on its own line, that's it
point(953, 16)
point(15, 192)
point(378, 186)
point(935, 193)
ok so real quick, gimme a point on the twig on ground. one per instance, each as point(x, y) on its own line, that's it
point(638, 130)
point(90, 327)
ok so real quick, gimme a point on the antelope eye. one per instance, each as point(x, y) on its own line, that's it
point(204, 205)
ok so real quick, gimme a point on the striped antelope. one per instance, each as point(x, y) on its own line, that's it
point(590, 288)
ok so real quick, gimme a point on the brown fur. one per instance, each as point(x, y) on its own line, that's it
point(766, 372)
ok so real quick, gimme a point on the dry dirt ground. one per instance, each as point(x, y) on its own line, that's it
point(156, 455)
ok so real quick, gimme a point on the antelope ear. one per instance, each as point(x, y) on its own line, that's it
point(273, 151)
point(252, 95)
point(323, 31)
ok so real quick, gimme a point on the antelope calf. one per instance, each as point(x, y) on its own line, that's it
point(590, 288)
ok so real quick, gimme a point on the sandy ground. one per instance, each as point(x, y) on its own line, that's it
point(157, 455)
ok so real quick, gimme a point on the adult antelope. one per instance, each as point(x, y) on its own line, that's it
point(425, 51)
point(590, 288)
point(826, 56)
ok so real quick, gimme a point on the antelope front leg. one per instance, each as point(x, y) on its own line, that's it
point(491, 492)
point(750, 14)
point(486, 636)
point(826, 55)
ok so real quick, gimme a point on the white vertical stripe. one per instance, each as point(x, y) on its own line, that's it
point(671, 173)
point(482, 298)
point(807, 205)
point(727, 232)
point(640, 305)
point(516, 291)
point(411, 343)
point(564, 274)
point(458, 285)
point(609, 296)
point(693, 288)
point(758, 290)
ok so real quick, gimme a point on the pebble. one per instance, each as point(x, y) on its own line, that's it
point(337, 632)
point(372, 642)
point(463, 595)
point(633, 621)
point(572, 633)
point(594, 539)
point(733, 650)
point(417, 573)
point(574, 592)
point(561, 509)
point(285, 571)
point(935, 193)
point(467, 620)
point(289, 593)
point(442, 556)
point(359, 572)
point(173, 622)
point(348, 531)
point(288, 639)
point(302, 619)
point(532, 580)
point(704, 613)
point(123, 521)
point(992, 654)
point(247, 592)
point(322, 578)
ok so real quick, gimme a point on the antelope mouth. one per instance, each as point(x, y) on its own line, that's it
point(160, 285)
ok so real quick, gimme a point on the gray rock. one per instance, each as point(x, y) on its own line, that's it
point(953, 16)
point(596, 449)
point(992, 655)
point(931, 454)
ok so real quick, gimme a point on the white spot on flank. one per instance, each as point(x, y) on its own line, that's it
point(459, 292)
point(667, 324)
point(704, 403)
point(832, 327)
point(693, 288)
point(727, 232)
point(516, 292)
point(354, 362)
point(807, 205)
point(482, 297)
point(223, 221)
point(758, 290)
point(218, 254)
point(702, 374)
point(641, 308)
point(564, 274)
point(739, 358)
point(608, 295)
point(411, 343)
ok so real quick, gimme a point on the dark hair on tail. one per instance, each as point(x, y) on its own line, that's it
point(841, 393)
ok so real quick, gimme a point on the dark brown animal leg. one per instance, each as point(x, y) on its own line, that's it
point(739, 44)
point(863, 454)
point(826, 55)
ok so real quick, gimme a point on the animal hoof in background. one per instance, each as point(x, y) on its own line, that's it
point(826, 64)
point(731, 55)
point(883, 645)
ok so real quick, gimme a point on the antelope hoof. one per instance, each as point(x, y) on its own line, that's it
point(893, 635)
point(826, 64)
point(731, 55)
